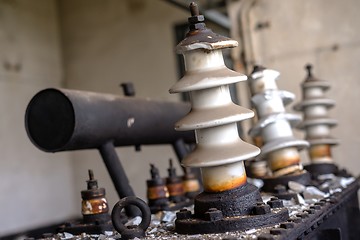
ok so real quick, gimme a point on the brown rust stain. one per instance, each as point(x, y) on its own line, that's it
point(210, 186)
point(279, 162)
point(319, 151)
point(157, 192)
point(94, 206)
point(191, 185)
point(175, 189)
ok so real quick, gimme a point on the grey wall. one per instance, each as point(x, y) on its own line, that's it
point(36, 188)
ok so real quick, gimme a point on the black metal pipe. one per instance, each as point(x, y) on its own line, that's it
point(118, 175)
point(60, 119)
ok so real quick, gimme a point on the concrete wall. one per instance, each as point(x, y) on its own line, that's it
point(36, 188)
point(109, 42)
point(324, 33)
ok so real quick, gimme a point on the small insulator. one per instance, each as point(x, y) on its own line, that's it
point(191, 184)
point(94, 203)
point(317, 123)
point(280, 148)
point(174, 185)
point(157, 192)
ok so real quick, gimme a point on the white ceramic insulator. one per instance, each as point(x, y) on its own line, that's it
point(315, 111)
point(279, 129)
point(264, 80)
point(317, 131)
point(219, 151)
point(315, 107)
point(313, 92)
point(274, 125)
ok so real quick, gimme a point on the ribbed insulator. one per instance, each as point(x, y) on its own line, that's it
point(219, 152)
point(316, 121)
point(281, 148)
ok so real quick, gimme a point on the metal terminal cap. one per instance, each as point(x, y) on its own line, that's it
point(200, 37)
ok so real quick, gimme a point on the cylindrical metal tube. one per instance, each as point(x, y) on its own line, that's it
point(60, 119)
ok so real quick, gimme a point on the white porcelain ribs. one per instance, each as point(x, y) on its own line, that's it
point(219, 152)
point(316, 122)
point(280, 148)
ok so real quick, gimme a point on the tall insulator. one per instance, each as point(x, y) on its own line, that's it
point(317, 123)
point(281, 148)
point(219, 152)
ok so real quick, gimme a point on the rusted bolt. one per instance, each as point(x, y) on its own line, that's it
point(277, 231)
point(130, 232)
point(310, 211)
point(295, 219)
point(320, 203)
point(265, 236)
point(279, 188)
point(275, 203)
point(287, 225)
point(213, 214)
point(315, 207)
point(261, 209)
point(183, 214)
point(196, 21)
point(302, 215)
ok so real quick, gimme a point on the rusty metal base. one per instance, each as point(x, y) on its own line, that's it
point(270, 184)
point(321, 168)
point(232, 210)
point(102, 224)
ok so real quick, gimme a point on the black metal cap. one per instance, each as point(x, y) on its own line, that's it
point(92, 188)
point(200, 37)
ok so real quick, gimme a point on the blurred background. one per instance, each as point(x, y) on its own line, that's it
point(95, 45)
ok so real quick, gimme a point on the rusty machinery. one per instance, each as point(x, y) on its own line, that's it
point(173, 192)
point(228, 202)
point(95, 211)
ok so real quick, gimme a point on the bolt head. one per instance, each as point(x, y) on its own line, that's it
point(213, 214)
point(295, 219)
point(276, 203)
point(287, 225)
point(197, 26)
point(196, 19)
point(183, 214)
point(261, 209)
